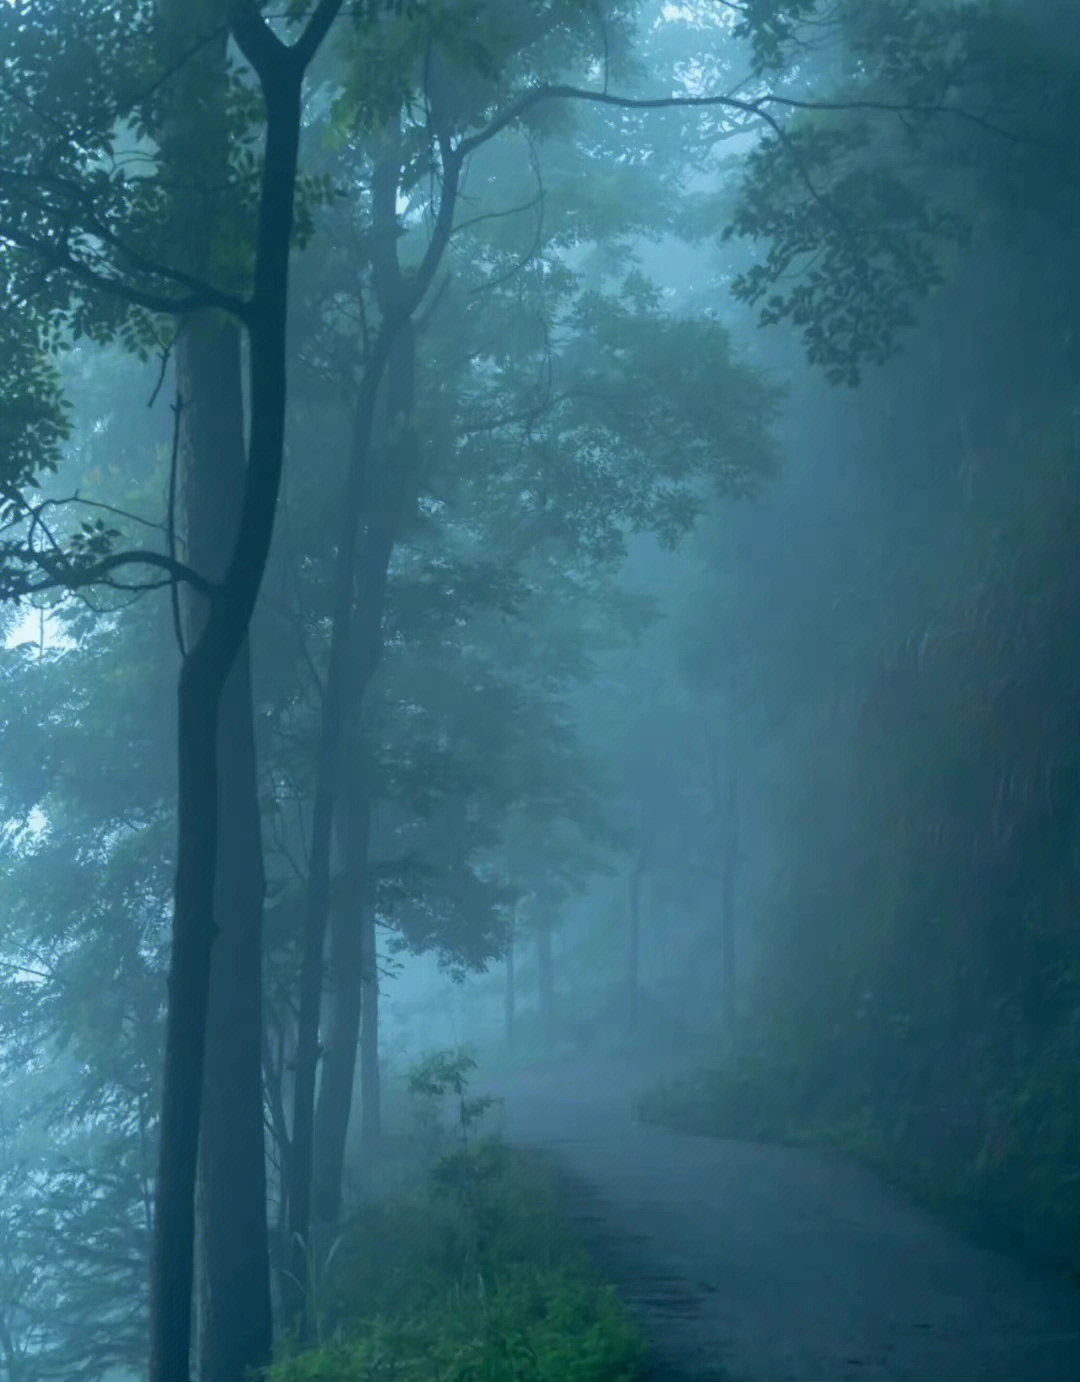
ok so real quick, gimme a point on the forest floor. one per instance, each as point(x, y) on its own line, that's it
point(757, 1263)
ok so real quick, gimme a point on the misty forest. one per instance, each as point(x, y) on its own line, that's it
point(540, 709)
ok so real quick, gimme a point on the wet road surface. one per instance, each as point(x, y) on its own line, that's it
point(760, 1263)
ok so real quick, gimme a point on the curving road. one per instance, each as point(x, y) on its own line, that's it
point(758, 1263)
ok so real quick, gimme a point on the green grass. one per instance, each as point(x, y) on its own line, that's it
point(529, 1325)
point(463, 1271)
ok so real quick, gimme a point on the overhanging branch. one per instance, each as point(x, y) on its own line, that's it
point(57, 257)
point(756, 107)
point(61, 573)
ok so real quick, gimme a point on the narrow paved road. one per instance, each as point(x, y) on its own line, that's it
point(759, 1263)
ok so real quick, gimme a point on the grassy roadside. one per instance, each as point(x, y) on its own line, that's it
point(464, 1269)
point(1007, 1183)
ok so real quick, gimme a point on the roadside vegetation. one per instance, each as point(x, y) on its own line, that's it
point(916, 997)
point(915, 990)
point(461, 1267)
point(1008, 1181)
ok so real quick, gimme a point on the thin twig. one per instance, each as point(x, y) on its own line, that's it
point(166, 352)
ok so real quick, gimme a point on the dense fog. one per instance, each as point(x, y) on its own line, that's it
point(540, 734)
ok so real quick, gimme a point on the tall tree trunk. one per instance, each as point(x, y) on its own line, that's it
point(233, 1302)
point(370, 1073)
point(728, 879)
point(633, 949)
point(726, 811)
point(398, 297)
point(233, 1327)
point(317, 899)
point(341, 688)
point(545, 968)
point(724, 814)
point(511, 996)
point(233, 1324)
point(386, 491)
point(202, 681)
point(391, 502)
point(348, 995)
point(172, 1249)
point(342, 1026)
point(353, 650)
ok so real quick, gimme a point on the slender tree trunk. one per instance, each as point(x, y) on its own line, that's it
point(317, 900)
point(301, 1147)
point(340, 687)
point(334, 1105)
point(233, 1310)
point(398, 298)
point(341, 696)
point(510, 994)
point(232, 1250)
point(392, 501)
point(546, 978)
point(350, 920)
point(725, 809)
point(633, 949)
point(189, 982)
point(370, 1073)
point(355, 646)
point(202, 680)
point(275, 1042)
point(233, 1325)
point(728, 880)
point(724, 813)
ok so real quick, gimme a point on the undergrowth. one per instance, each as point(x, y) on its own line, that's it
point(468, 1274)
point(1004, 1171)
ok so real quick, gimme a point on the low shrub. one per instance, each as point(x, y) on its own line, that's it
point(468, 1275)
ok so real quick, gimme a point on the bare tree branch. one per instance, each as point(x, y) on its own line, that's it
point(80, 206)
point(64, 574)
point(755, 107)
